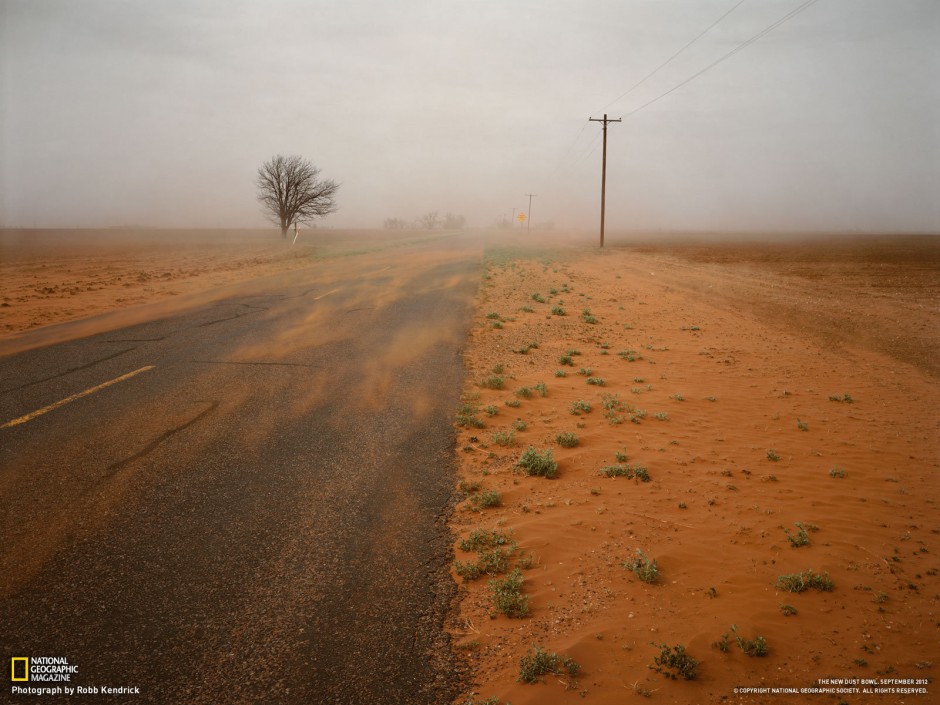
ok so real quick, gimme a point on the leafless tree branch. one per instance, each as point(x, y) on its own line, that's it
point(290, 191)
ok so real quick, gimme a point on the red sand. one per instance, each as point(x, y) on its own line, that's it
point(741, 346)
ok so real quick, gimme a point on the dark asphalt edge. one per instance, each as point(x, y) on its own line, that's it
point(458, 663)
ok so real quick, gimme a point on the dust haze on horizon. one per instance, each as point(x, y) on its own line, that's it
point(159, 114)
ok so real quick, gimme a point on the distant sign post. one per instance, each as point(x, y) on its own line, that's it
point(521, 218)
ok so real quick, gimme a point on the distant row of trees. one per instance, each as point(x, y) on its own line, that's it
point(428, 221)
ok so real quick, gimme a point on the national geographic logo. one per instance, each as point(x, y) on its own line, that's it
point(56, 669)
point(19, 667)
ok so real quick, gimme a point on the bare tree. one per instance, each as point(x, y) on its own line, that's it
point(291, 191)
point(429, 221)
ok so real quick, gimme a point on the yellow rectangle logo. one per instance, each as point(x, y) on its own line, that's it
point(19, 664)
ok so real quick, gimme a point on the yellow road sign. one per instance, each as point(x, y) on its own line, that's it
point(521, 217)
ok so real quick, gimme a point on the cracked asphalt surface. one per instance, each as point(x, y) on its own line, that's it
point(260, 517)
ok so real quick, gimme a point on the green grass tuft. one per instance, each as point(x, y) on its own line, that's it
point(567, 439)
point(643, 567)
point(539, 464)
point(538, 662)
point(800, 582)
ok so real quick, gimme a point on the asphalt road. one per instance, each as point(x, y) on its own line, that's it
point(256, 512)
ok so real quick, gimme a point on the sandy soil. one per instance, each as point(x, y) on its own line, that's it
point(759, 386)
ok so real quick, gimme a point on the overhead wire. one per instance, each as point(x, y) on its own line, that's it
point(568, 151)
point(671, 58)
point(743, 45)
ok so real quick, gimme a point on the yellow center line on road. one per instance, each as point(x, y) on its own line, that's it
point(63, 402)
point(317, 298)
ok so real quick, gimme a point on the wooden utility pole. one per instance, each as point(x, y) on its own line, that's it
point(529, 222)
point(603, 171)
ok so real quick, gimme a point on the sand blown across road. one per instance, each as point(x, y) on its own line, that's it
point(111, 278)
point(766, 411)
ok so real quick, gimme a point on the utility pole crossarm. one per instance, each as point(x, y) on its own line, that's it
point(604, 120)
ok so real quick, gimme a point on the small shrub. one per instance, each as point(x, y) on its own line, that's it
point(800, 538)
point(750, 647)
point(490, 561)
point(490, 410)
point(538, 298)
point(837, 472)
point(520, 425)
point(561, 373)
point(612, 408)
point(674, 662)
point(620, 470)
point(504, 438)
point(538, 662)
point(788, 610)
point(799, 582)
point(722, 644)
point(587, 317)
point(661, 416)
point(643, 567)
point(540, 464)
point(486, 500)
point(558, 311)
point(629, 355)
point(541, 389)
point(567, 439)
point(621, 456)
point(469, 487)
point(578, 406)
point(524, 392)
point(493, 382)
point(484, 538)
point(802, 426)
point(527, 309)
point(596, 381)
point(506, 593)
point(466, 416)
point(565, 360)
point(573, 352)
point(514, 403)
point(772, 455)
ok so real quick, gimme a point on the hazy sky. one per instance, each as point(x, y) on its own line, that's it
point(159, 113)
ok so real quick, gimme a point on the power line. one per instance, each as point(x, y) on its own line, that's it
point(670, 59)
point(790, 15)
